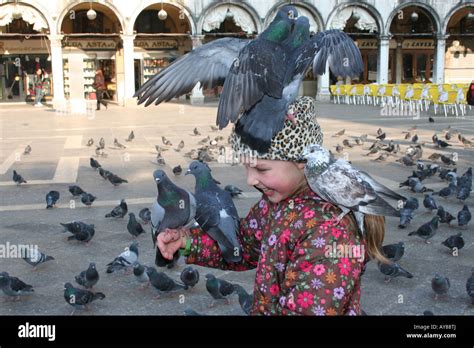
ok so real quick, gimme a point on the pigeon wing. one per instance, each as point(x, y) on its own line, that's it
point(208, 64)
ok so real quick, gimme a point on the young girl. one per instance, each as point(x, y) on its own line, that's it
point(304, 264)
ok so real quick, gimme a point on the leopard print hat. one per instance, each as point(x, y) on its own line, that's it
point(289, 143)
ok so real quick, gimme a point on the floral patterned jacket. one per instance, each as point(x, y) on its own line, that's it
point(301, 265)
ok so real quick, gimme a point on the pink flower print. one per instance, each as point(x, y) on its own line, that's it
point(265, 209)
point(319, 269)
point(206, 240)
point(274, 289)
point(335, 232)
point(309, 214)
point(306, 266)
point(305, 299)
point(285, 236)
point(344, 266)
point(206, 253)
point(258, 235)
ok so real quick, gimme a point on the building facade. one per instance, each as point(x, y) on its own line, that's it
point(400, 41)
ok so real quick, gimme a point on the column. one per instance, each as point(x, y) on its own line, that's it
point(128, 69)
point(196, 96)
point(399, 62)
point(323, 93)
point(57, 68)
point(440, 54)
point(382, 62)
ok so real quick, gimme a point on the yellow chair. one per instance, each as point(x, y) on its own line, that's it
point(388, 94)
point(339, 91)
point(448, 99)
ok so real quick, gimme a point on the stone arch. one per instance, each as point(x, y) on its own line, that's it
point(316, 15)
point(452, 12)
point(246, 7)
point(430, 12)
point(369, 8)
point(40, 10)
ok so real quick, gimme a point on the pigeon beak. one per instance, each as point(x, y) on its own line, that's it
point(157, 180)
point(188, 172)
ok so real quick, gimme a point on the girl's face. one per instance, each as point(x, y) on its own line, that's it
point(278, 180)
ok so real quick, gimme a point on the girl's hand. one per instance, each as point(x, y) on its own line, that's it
point(169, 241)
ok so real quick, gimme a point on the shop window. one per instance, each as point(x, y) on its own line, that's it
point(82, 24)
point(148, 23)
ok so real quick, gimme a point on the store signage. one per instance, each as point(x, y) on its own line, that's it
point(24, 46)
point(90, 44)
point(156, 44)
point(419, 44)
point(368, 44)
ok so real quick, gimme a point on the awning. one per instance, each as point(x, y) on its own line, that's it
point(365, 22)
point(28, 14)
point(242, 18)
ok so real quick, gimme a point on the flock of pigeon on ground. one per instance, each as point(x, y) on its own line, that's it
point(440, 164)
point(174, 207)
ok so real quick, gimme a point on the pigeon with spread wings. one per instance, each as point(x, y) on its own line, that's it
point(260, 77)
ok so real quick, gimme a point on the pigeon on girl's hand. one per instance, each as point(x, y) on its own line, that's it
point(126, 259)
point(79, 298)
point(427, 230)
point(464, 216)
point(133, 226)
point(89, 277)
point(119, 211)
point(173, 208)
point(14, 287)
point(218, 288)
point(338, 183)
point(216, 213)
point(440, 285)
point(189, 277)
point(51, 199)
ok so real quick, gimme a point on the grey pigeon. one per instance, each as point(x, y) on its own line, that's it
point(394, 252)
point(191, 313)
point(233, 190)
point(470, 286)
point(381, 136)
point(265, 73)
point(27, 150)
point(196, 132)
point(162, 282)
point(18, 179)
point(104, 173)
point(35, 257)
point(189, 276)
point(406, 160)
point(464, 185)
point(116, 180)
point(245, 299)
point(339, 133)
point(448, 191)
point(51, 199)
point(180, 146)
point(75, 190)
point(444, 216)
point(440, 285)
point(464, 216)
point(447, 160)
point(87, 199)
point(90, 142)
point(173, 208)
point(119, 211)
point(427, 230)
point(219, 289)
point(79, 298)
point(430, 203)
point(145, 215)
point(337, 182)
point(139, 271)
point(166, 141)
point(81, 231)
point(126, 259)
point(102, 143)
point(89, 277)
point(131, 136)
point(392, 270)
point(216, 213)
point(133, 226)
point(94, 163)
point(177, 170)
point(408, 211)
point(14, 287)
point(454, 242)
point(117, 144)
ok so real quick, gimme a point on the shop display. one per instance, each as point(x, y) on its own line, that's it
point(152, 66)
point(67, 87)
